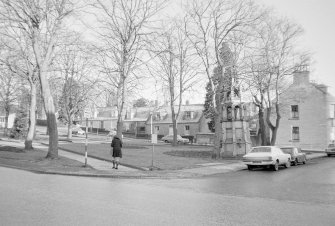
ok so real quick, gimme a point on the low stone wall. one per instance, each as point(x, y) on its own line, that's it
point(205, 138)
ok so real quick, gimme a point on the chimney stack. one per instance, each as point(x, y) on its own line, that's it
point(301, 75)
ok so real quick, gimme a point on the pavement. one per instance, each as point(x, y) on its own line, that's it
point(104, 166)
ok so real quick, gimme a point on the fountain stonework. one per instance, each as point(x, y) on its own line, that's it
point(235, 126)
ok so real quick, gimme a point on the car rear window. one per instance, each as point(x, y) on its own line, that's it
point(261, 149)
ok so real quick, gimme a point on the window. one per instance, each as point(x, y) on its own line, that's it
point(156, 128)
point(295, 133)
point(141, 129)
point(187, 127)
point(294, 111)
point(189, 114)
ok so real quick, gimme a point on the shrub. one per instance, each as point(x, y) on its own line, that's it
point(20, 126)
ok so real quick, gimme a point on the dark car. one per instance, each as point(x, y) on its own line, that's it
point(296, 155)
point(330, 150)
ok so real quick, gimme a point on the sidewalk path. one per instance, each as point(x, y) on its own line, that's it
point(105, 167)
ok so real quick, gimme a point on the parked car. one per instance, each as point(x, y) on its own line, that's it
point(296, 155)
point(169, 139)
point(78, 131)
point(267, 156)
point(330, 150)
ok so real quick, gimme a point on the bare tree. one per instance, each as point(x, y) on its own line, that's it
point(75, 65)
point(20, 61)
point(123, 27)
point(272, 60)
point(175, 67)
point(8, 92)
point(41, 21)
point(212, 24)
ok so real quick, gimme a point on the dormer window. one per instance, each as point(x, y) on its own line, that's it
point(294, 112)
point(189, 115)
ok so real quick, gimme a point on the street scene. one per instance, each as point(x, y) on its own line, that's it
point(167, 112)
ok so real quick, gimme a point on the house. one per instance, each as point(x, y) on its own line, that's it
point(308, 113)
point(134, 123)
point(142, 121)
point(190, 121)
point(11, 118)
point(102, 119)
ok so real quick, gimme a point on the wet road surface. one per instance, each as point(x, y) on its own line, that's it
point(301, 195)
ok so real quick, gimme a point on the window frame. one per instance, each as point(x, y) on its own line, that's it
point(295, 133)
point(295, 111)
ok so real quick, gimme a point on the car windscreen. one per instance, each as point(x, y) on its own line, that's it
point(287, 150)
point(261, 149)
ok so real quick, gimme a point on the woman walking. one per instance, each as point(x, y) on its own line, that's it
point(117, 153)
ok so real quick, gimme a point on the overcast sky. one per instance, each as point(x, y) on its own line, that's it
point(317, 18)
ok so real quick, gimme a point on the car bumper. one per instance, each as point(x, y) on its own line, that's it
point(259, 163)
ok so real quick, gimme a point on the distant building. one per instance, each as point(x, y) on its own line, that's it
point(307, 112)
point(142, 121)
point(190, 122)
point(11, 118)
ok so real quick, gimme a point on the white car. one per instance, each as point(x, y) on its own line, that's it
point(262, 156)
point(180, 140)
point(78, 131)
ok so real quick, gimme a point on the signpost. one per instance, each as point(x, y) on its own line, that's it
point(153, 141)
point(86, 115)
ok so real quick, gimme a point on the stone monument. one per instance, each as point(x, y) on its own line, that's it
point(235, 126)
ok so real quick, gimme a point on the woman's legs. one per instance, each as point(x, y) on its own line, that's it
point(116, 160)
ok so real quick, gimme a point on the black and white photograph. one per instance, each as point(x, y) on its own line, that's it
point(167, 112)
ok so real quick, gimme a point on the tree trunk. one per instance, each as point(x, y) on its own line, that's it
point(6, 122)
point(119, 127)
point(174, 126)
point(274, 136)
point(51, 117)
point(262, 128)
point(274, 129)
point(69, 129)
point(28, 143)
point(217, 136)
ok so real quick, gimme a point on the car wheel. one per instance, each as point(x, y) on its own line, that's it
point(328, 155)
point(250, 167)
point(304, 161)
point(295, 162)
point(275, 167)
point(288, 163)
point(166, 141)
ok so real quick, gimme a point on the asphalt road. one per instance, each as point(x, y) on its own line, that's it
point(301, 195)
